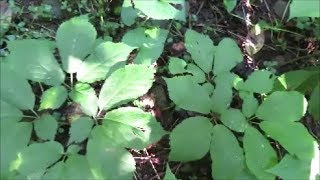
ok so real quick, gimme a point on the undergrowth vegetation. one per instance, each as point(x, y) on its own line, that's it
point(67, 109)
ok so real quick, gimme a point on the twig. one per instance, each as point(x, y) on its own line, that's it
point(153, 167)
point(285, 11)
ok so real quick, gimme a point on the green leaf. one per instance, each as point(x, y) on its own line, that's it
point(250, 103)
point(37, 157)
point(291, 168)
point(150, 43)
point(53, 97)
point(169, 175)
point(288, 134)
point(75, 40)
point(234, 119)
point(198, 75)
point(230, 4)
point(314, 107)
point(99, 64)
point(259, 154)
point(38, 66)
point(14, 137)
point(9, 112)
point(108, 162)
point(15, 90)
point(177, 65)
point(128, 13)
point(201, 49)
point(131, 128)
point(310, 8)
point(227, 56)
point(186, 146)
point(283, 106)
point(260, 81)
point(46, 127)
point(73, 149)
point(85, 95)
point(180, 86)
point(124, 85)
point(226, 154)
point(80, 129)
point(155, 9)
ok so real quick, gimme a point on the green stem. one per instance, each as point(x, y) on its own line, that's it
point(34, 112)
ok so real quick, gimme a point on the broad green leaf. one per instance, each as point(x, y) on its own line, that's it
point(288, 134)
point(107, 162)
point(291, 168)
point(14, 137)
point(9, 112)
point(15, 90)
point(85, 95)
point(160, 10)
point(226, 154)
point(169, 175)
point(186, 146)
point(283, 106)
point(260, 81)
point(250, 103)
point(131, 128)
point(201, 49)
point(80, 129)
point(150, 43)
point(46, 127)
point(309, 8)
point(198, 75)
point(37, 157)
point(125, 84)
point(234, 119)
point(209, 87)
point(227, 56)
point(230, 4)
point(314, 104)
point(259, 154)
point(177, 65)
point(73, 149)
point(128, 13)
point(57, 171)
point(99, 64)
point(181, 86)
point(53, 97)
point(34, 60)
point(75, 40)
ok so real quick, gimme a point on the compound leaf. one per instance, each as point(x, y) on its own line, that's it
point(34, 60)
point(131, 128)
point(53, 97)
point(201, 49)
point(186, 146)
point(310, 8)
point(125, 84)
point(179, 86)
point(15, 90)
point(150, 43)
point(283, 106)
point(260, 81)
point(80, 129)
point(314, 107)
point(46, 127)
point(225, 164)
point(85, 95)
point(259, 154)
point(227, 56)
point(75, 40)
point(294, 132)
point(234, 119)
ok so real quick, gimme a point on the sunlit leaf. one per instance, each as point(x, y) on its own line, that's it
point(53, 97)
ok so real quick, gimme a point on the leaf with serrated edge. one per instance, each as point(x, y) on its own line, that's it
point(283, 106)
point(46, 127)
point(80, 129)
point(201, 49)
point(186, 146)
point(53, 97)
point(75, 40)
point(227, 56)
point(259, 154)
point(85, 95)
point(125, 84)
point(38, 66)
point(234, 119)
point(179, 86)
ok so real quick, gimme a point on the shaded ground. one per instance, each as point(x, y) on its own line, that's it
point(289, 50)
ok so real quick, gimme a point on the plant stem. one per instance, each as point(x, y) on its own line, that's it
point(71, 79)
point(34, 112)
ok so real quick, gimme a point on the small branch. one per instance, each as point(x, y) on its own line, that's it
point(35, 113)
point(298, 59)
point(153, 167)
